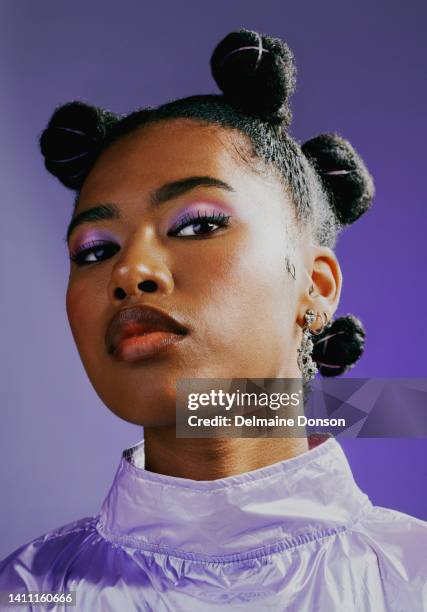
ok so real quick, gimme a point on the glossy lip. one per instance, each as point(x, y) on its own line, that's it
point(141, 331)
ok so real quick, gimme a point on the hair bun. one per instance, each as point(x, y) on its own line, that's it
point(72, 139)
point(344, 175)
point(339, 346)
point(256, 73)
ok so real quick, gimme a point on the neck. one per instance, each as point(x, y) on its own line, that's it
point(213, 458)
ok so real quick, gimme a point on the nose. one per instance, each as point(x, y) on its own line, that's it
point(142, 268)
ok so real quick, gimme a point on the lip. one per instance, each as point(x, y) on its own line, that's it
point(140, 332)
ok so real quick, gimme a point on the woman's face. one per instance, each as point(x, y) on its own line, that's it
point(213, 252)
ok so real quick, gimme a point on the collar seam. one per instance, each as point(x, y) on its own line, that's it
point(287, 544)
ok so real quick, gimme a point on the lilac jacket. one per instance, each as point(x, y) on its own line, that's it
point(298, 535)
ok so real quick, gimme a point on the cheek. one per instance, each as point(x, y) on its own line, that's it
point(76, 310)
point(83, 311)
point(242, 290)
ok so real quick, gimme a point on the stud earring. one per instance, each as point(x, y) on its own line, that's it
point(305, 361)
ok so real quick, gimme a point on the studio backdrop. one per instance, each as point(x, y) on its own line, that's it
point(361, 73)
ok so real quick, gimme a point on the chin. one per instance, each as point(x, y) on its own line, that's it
point(150, 405)
point(146, 418)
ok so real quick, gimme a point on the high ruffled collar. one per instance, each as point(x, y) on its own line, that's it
point(278, 506)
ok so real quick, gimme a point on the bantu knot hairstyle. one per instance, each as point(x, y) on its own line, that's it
point(339, 346)
point(328, 182)
point(73, 139)
point(344, 175)
point(256, 73)
point(350, 189)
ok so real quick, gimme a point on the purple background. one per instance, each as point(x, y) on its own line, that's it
point(361, 72)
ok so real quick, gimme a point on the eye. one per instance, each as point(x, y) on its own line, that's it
point(194, 225)
point(91, 252)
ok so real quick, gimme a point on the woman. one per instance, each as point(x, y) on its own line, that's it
point(201, 246)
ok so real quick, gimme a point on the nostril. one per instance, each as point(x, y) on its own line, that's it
point(119, 293)
point(149, 286)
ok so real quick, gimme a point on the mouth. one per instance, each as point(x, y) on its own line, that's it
point(140, 332)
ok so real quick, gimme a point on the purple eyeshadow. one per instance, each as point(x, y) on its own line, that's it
point(88, 236)
point(201, 208)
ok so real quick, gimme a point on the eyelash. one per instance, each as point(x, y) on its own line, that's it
point(220, 219)
point(88, 248)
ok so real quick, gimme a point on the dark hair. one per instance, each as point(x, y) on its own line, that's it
point(328, 182)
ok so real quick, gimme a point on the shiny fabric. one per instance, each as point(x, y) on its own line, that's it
point(298, 535)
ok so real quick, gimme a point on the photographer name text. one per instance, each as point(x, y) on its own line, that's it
point(255, 421)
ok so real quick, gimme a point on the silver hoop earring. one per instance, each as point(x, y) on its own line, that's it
point(305, 361)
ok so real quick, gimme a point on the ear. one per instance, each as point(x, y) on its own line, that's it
point(321, 285)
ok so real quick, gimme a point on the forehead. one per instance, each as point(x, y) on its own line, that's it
point(167, 151)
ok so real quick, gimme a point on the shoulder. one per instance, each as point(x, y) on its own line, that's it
point(40, 561)
point(396, 529)
point(398, 542)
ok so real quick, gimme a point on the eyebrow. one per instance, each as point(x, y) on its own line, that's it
point(161, 195)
